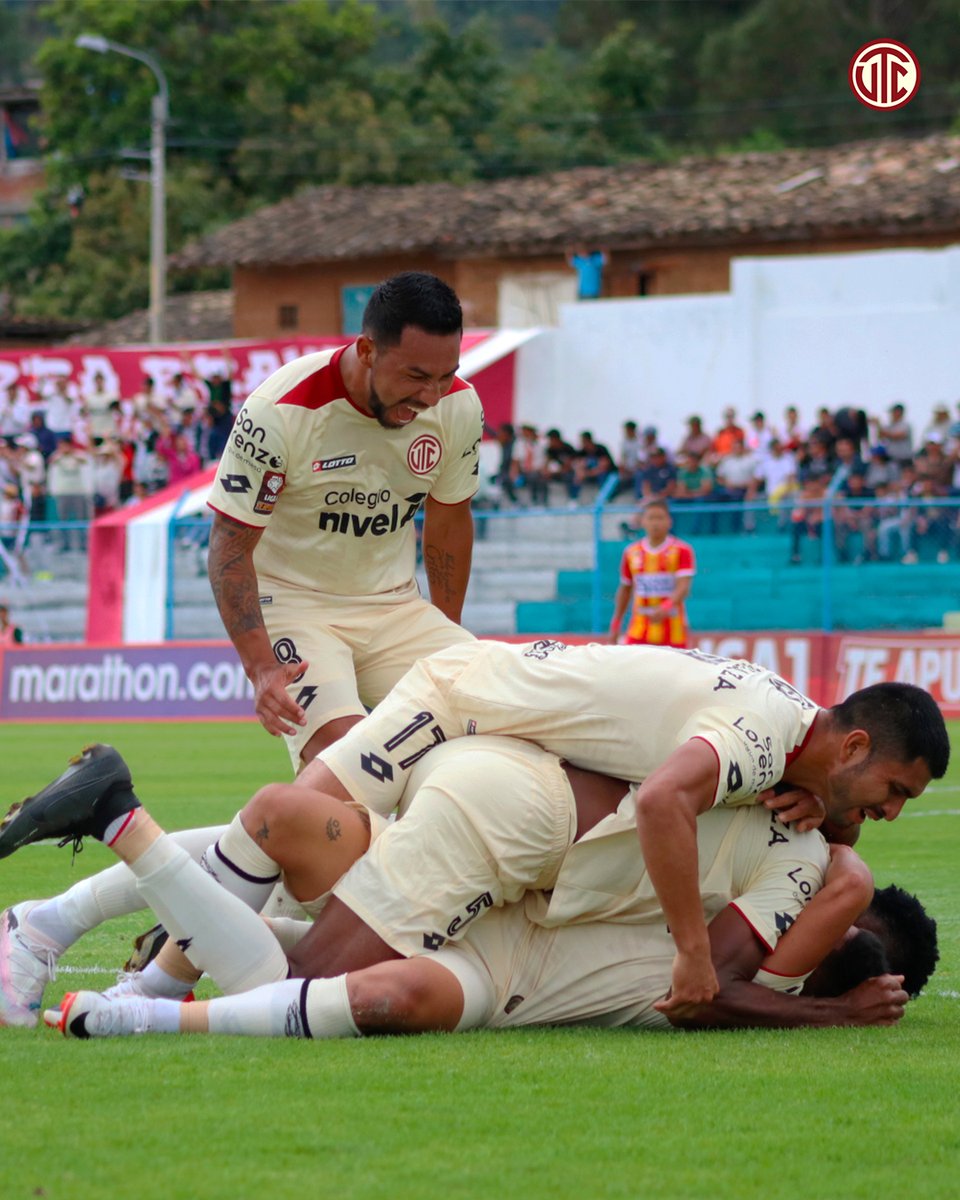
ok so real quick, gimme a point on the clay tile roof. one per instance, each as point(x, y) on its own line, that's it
point(189, 317)
point(882, 187)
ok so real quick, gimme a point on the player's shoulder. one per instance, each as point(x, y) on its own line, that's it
point(306, 384)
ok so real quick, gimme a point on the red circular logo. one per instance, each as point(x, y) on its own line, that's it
point(424, 454)
point(884, 74)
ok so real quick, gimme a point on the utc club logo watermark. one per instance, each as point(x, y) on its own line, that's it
point(884, 74)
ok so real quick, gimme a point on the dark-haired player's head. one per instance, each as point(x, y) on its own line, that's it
point(894, 936)
point(891, 740)
point(411, 298)
point(410, 346)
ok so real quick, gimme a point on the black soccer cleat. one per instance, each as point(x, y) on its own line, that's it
point(93, 791)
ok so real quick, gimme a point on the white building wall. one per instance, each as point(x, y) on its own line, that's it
point(864, 329)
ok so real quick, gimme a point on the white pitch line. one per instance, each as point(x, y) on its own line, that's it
point(87, 970)
point(932, 812)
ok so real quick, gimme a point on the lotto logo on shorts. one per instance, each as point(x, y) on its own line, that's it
point(270, 489)
point(424, 454)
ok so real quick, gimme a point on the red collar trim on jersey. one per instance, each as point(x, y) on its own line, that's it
point(322, 387)
point(798, 750)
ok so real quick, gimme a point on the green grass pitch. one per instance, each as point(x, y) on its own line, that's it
point(577, 1114)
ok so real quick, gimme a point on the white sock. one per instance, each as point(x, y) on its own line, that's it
point(316, 1008)
point(326, 1009)
point(218, 933)
point(237, 863)
point(159, 984)
point(264, 1012)
point(164, 1016)
point(110, 893)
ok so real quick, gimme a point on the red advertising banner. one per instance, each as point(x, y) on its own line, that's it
point(246, 363)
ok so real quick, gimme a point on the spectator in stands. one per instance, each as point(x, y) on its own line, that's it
point(897, 521)
point(729, 433)
point(937, 429)
point(531, 463)
point(880, 472)
point(776, 474)
point(737, 481)
point(185, 398)
point(851, 423)
point(697, 443)
point(10, 634)
point(62, 410)
point(825, 430)
point(847, 460)
point(559, 457)
point(70, 485)
point(932, 524)
point(220, 389)
point(629, 456)
point(506, 471)
point(108, 465)
point(855, 526)
point(817, 462)
point(181, 458)
point(220, 421)
point(696, 484)
point(658, 479)
point(759, 435)
point(101, 404)
point(896, 434)
point(592, 464)
point(806, 520)
point(933, 464)
point(794, 437)
point(32, 472)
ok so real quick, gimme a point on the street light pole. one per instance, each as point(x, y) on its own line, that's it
point(159, 112)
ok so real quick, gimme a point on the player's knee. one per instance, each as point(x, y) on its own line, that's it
point(391, 1001)
point(272, 808)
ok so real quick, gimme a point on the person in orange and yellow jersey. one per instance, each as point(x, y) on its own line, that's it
point(655, 577)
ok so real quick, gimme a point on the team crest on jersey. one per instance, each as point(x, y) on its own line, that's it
point(270, 489)
point(424, 454)
point(334, 464)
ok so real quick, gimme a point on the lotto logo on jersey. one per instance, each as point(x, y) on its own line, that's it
point(334, 464)
point(424, 454)
point(270, 489)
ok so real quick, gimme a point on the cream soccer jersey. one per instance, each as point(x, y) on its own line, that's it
point(335, 492)
point(620, 710)
point(611, 973)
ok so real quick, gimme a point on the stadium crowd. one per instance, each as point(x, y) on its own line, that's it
point(859, 459)
point(70, 451)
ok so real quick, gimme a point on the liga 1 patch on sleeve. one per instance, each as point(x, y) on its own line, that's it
point(270, 489)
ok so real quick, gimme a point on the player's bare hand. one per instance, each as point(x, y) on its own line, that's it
point(879, 1001)
point(279, 713)
point(694, 982)
point(795, 805)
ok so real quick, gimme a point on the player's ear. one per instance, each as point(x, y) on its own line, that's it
point(855, 747)
point(366, 349)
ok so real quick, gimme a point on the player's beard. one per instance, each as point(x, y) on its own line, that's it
point(381, 413)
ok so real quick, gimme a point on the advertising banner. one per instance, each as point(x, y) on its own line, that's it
point(204, 680)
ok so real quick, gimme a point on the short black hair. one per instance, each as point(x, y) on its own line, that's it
point(411, 298)
point(910, 936)
point(903, 721)
point(861, 957)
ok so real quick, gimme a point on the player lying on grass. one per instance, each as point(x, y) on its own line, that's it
point(695, 729)
point(609, 972)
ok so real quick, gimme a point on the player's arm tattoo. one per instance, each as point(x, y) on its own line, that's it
point(232, 577)
point(333, 830)
point(440, 565)
point(262, 834)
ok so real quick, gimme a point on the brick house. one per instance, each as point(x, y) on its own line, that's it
point(306, 264)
